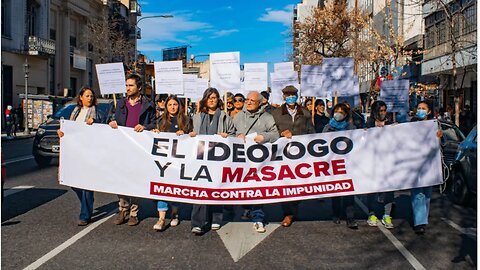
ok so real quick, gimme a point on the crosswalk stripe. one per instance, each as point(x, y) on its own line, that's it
point(408, 256)
point(17, 189)
point(470, 232)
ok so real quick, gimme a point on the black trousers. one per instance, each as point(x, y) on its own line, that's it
point(348, 206)
point(290, 208)
point(204, 215)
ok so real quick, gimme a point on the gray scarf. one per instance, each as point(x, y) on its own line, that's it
point(207, 127)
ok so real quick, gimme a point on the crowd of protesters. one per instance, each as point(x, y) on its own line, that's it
point(239, 116)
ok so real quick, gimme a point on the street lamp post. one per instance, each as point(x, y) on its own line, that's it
point(26, 69)
point(136, 23)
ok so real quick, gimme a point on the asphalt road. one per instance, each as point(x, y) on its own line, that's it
point(39, 230)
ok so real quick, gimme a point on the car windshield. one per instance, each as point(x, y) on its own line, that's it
point(452, 134)
point(67, 110)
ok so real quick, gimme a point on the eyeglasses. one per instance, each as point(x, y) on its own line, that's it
point(238, 100)
point(251, 100)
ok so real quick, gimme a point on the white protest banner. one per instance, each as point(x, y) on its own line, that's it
point(283, 66)
point(225, 72)
point(202, 85)
point(311, 81)
point(111, 78)
point(190, 86)
point(395, 94)
point(256, 76)
point(169, 77)
point(210, 169)
point(338, 76)
point(279, 81)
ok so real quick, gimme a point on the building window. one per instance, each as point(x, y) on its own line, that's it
point(442, 32)
point(457, 25)
point(6, 18)
point(53, 34)
point(470, 19)
point(73, 41)
point(430, 37)
point(32, 18)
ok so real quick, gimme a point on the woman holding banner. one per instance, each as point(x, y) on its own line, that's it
point(340, 121)
point(379, 118)
point(210, 120)
point(85, 111)
point(420, 197)
point(173, 120)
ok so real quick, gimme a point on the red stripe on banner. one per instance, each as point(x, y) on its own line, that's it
point(253, 193)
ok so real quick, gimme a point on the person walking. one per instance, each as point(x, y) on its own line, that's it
point(9, 121)
point(339, 122)
point(292, 119)
point(134, 111)
point(254, 119)
point(210, 120)
point(379, 118)
point(173, 120)
point(87, 112)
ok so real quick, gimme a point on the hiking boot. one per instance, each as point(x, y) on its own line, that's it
point(352, 224)
point(372, 221)
point(387, 221)
point(83, 222)
point(132, 221)
point(246, 215)
point(258, 226)
point(121, 218)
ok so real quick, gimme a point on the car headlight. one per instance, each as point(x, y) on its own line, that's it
point(40, 131)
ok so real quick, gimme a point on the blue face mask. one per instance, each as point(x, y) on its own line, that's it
point(290, 100)
point(421, 113)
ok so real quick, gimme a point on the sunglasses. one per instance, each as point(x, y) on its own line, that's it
point(238, 100)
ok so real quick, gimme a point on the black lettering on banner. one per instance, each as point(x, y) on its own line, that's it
point(211, 151)
point(206, 175)
point(347, 141)
point(287, 150)
point(254, 147)
point(156, 147)
point(182, 173)
point(319, 151)
point(274, 153)
point(238, 152)
point(174, 150)
point(162, 168)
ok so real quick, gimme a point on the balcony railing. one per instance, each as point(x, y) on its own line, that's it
point(40, 46)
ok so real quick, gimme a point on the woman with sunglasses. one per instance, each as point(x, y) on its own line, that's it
point(238, 103)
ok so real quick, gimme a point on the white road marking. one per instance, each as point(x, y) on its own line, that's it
point(408, 256)
point(470, 232)
point(69, 242)
point(240, 237)
point(19, 159)
point(13, 190)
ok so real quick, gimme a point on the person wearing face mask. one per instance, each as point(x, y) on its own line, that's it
point(291, 119)
point(378, 118)
point(420, 197)
point(339, 122)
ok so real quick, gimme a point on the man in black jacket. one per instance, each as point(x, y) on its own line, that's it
point(135, 111)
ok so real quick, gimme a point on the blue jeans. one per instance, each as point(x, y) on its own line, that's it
point(162, 206)
point(257, 213)
point(420, 198)
point(86, 203)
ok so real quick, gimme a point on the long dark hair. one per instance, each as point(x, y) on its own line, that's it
point(375, 109)
point(344, 108)
point(430, 113)
point(182, 120)
point(82, 91)
point(206, 94)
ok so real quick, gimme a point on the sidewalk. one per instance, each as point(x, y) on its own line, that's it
point(20, 136)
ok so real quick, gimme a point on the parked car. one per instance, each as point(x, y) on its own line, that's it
point(46, 144)
point(464, 171)
point(451, 139)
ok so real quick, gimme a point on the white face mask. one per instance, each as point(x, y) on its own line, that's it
point(338, 117)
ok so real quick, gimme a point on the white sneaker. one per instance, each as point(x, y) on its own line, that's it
point(197, 230)
point(258, 226)
point(215, 227)
point(174, 222)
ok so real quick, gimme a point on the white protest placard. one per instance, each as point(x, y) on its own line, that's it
point(190, 86)
point(169, 77)
point(225, 72)
point(283, 66)
point(210, 169)
point(311, 81)
point(255, 76)
point(202, 85)
point(111, 78)
point(395, 94)
point(338, 76)
point(278, 81)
